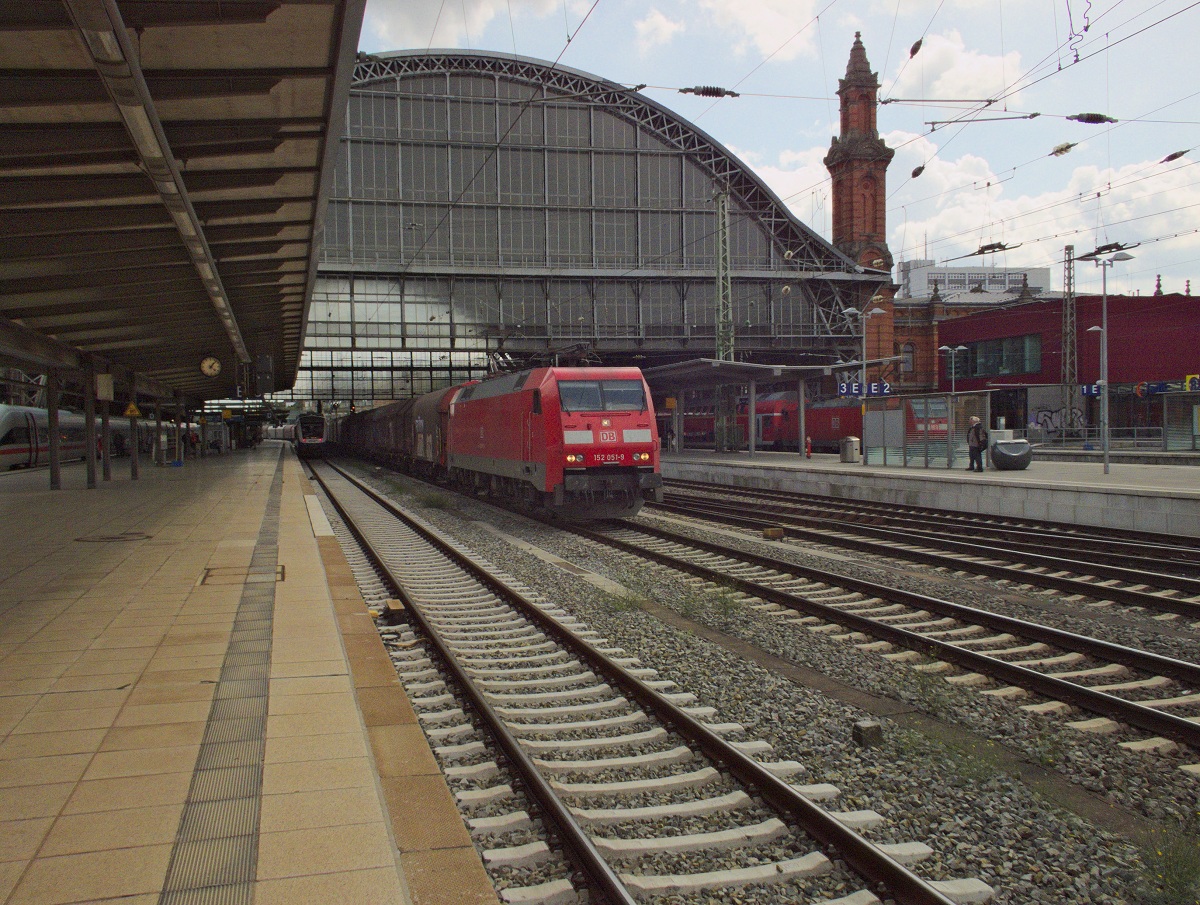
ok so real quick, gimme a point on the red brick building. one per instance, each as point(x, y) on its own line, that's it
point(1014, 352)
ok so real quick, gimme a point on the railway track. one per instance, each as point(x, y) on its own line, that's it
point(1101, 576)
point(967, 646)
point(1060, 536)
point(633, 780)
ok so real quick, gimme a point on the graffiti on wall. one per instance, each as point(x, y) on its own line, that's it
point(1053, 420)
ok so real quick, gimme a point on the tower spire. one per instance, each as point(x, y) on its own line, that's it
point(858, 160)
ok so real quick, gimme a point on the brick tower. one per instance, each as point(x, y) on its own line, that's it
point(858, 161)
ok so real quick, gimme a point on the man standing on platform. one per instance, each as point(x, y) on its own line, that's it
point(977, 437)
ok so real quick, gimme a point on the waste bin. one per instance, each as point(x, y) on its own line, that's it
point(1011, 455)
point(850, 449)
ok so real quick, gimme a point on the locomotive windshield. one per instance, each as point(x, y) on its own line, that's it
point(602, 395)
point(312, 428)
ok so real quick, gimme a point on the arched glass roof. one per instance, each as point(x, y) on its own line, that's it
point(488, 202)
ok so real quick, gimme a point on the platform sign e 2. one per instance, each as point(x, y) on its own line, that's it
point(856, 389)
point(1191, 383)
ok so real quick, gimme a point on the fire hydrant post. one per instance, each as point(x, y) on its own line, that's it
point(808, 447)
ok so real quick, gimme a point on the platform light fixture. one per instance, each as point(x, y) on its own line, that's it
point(952, 351)
point(1104, 263)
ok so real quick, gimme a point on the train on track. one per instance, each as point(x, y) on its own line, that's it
point(580, 443)
point(777, 422)
point(311, 435)
point(25, 436)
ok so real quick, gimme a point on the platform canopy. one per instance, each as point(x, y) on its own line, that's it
point(707, 373)
point(164, 172)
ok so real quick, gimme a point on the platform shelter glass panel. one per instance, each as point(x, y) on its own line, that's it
point(571, 309)
point(567, 126)
point(615, 179)
point(373, 115)
point(568, 178)
point(661, 239)
point(522, 176)
point(521, 123)
point(475, 236)
point(523, 306)
point(662, 311)
point(616, 237)
point(660, 181)
point(522, 237)
point(617, 308)
point(473, 175)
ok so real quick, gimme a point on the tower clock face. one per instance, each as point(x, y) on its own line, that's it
point(210, 366)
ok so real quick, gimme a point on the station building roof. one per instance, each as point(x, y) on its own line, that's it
point(164, 170)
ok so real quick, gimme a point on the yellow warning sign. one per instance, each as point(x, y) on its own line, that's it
point(131, 411)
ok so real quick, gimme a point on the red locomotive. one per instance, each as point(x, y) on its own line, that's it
point(579, 442)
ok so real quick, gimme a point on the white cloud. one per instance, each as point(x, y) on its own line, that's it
point(404, 24)
point(944, 68)
point(970, 207)
point(655, 30)
point(763, 26)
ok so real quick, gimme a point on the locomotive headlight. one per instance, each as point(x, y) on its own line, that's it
point(574, 457)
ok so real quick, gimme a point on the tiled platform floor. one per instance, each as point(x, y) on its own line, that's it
point(121, 652)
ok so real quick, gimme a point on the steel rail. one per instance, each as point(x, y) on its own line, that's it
point(576, 841)
point(1010, 573)
point(1117, 565)
point(1134, 714)
point(863, 857)
point(1016, 528)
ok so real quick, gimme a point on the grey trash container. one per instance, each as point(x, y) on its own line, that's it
point(1011, 455)
point(850, 449)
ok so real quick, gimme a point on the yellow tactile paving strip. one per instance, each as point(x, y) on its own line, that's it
point(109, 654)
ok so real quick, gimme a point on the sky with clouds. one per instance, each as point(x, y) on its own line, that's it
point(962, 108)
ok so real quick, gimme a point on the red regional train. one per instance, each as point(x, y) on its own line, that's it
point(578, 442)
point(777, 422)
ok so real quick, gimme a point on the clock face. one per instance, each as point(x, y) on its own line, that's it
point(210, 366)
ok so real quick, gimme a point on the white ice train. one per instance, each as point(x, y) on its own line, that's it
point(25, 436)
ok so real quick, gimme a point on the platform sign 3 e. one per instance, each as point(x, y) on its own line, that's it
point(854, 388)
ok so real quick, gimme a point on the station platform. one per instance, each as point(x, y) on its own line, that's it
point(196, 706)
point(1134, 496)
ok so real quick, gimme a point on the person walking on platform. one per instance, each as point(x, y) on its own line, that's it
point(977, 438)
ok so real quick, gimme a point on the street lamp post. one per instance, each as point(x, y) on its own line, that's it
point(950, 419)
point(953, 350)
point(862, 317)
point(1104, 264)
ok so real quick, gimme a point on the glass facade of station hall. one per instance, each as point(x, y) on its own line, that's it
point(494, 207)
